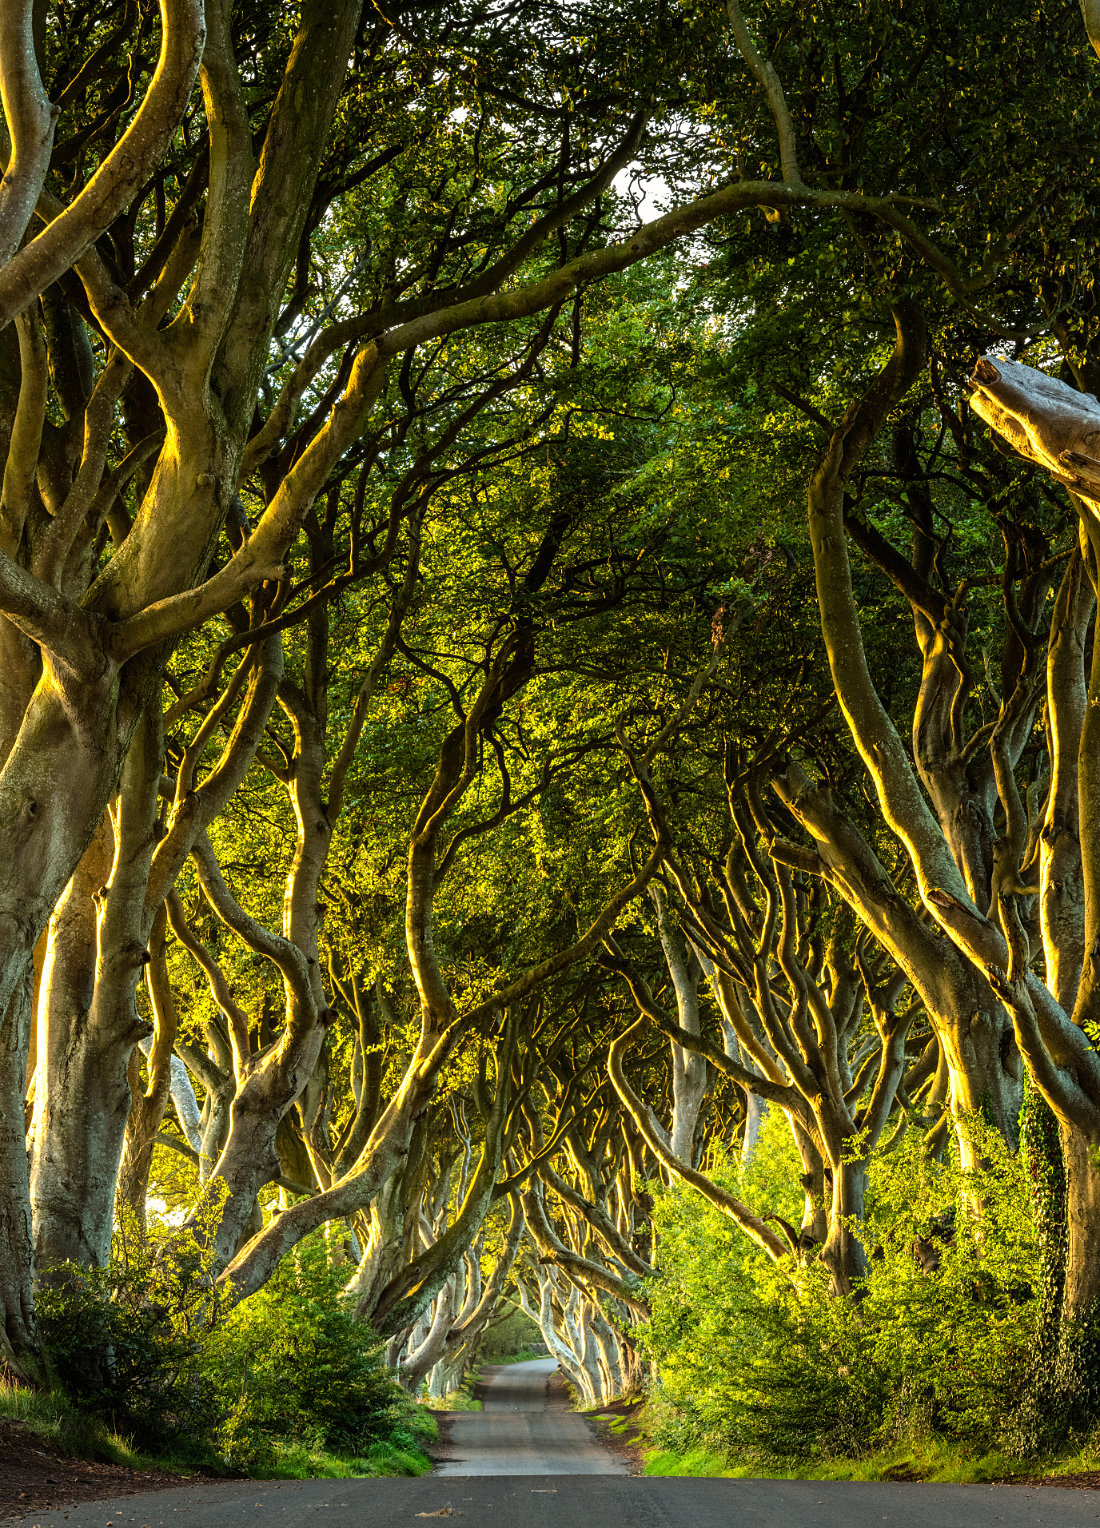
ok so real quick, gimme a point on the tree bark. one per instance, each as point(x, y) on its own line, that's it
point(19, 1345)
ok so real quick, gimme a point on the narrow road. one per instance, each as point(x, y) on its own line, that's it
point(524, 1429)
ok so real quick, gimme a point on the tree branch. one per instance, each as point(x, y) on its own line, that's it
point(109, 192)
point(773, 90)
point(31, 121)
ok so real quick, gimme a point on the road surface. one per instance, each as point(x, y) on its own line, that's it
point(585, 1501)
point(571, 1483)
point(524, 1430)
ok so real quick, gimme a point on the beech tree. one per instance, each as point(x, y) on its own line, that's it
point(987, 805)
point(166, 311)
point(301, 312)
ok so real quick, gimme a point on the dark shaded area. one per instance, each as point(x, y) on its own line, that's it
point(33, 1475)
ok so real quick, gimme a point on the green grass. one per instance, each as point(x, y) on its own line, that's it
point(934, 1462)
point(462, 1399)
point(402, 1453)
point(698, 1462)
point(623, 1424)
point(300, 1461)
point(77, 1435)
point(458, 1400)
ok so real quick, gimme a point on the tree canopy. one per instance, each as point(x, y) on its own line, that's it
point(548, 678)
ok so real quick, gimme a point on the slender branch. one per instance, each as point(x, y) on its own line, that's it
point(597, 930)
point(653, 1136)
point(220, 990)
point(774, 1092)
point(202, 318)
point(286, 956)
point(123, 172)
point(25, 442)
point(31, 121)
point(773, 90)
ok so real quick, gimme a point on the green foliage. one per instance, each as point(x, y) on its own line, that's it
point(516, 1334)
point(759, 1362)
point(459, 1400)
point(126, 1342)
point(396, 1455)
point(292, 1362)
point(287, 1383)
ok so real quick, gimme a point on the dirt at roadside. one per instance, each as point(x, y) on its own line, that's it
point(442, 1448)
point(33, 1474)
point(1083, 1480)
point(625, 1442)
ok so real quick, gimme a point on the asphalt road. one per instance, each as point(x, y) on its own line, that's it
point(524, 1430)
point(586, 1501)
point(568, 1488)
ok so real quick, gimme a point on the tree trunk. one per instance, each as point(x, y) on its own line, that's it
point(1077, 1365)
point(985, 1068)
point(82, 1093)
point(843, 1253)
point(18, 1337)
point(756, 1112)
point(149, 1104)
point(1041, 1147)
point(1063, 1396)
point(689, 1070)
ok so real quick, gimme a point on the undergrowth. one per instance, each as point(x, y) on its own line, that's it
point(75, 1433)
point(149, 1360)
point(763, 1372)
point(935, 1463)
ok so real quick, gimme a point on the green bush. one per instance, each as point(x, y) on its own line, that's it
point(758, 1361)
point(281, 1383)
point(126, 1343)
point(292, 1362)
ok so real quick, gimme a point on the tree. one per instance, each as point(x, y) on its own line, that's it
point(180, 385)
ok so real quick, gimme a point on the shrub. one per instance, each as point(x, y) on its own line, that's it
point(126, 1342)
point(149, 1346)
point(293, 1362)
point(758, 1361)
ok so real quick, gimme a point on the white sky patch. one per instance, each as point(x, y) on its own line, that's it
point(160, 1210)
point(649, 193)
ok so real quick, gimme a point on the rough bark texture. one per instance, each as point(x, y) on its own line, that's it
point(18, 1335)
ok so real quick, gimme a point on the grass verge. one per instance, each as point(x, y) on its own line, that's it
point(77, 1435)
point(299, 1461)
point(74, 1434)
point(934, 1463)
point(462, 1399)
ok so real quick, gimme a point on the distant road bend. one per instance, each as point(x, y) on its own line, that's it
point(526, 1461)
